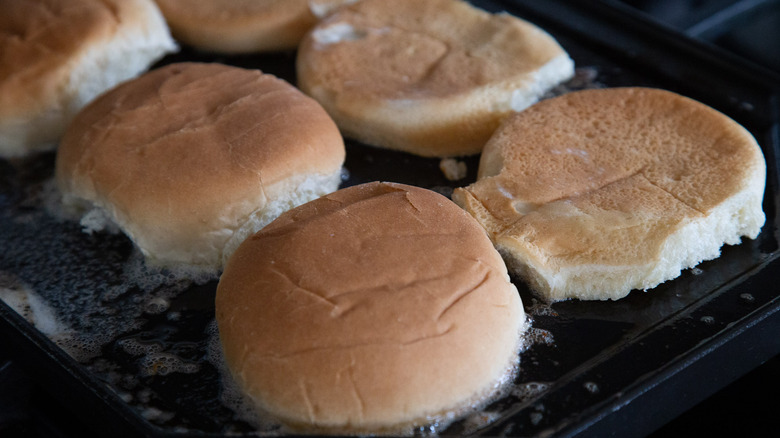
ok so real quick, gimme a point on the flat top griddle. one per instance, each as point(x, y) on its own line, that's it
point(146, 361)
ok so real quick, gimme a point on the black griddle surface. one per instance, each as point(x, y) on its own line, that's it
point(599, 368)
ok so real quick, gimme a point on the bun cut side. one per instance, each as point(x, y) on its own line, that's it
point(58, 55)
point(595, 193)
point(191, 158)
point(432, 78)
point(372, 310)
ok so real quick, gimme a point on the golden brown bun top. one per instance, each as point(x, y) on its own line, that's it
point(235, 12)
point(620, 158)
point(368, 308)
point(188, 142)
point(414, 49)
point(238, 26)
point(39, 38)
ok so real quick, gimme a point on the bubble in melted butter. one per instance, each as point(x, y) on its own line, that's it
point(535, 335)
point(529, 390)
point(163, 364)
point(136, 347)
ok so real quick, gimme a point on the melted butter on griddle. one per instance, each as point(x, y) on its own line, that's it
point(147, 333)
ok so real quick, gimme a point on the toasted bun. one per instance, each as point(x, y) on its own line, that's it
point(243, 26)
point(432, 78)
point(191, 158)
point(595, 193)
point(376, 308)
point(57, 55)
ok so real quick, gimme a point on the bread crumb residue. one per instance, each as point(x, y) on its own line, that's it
point(337, 33)
point(453, 169)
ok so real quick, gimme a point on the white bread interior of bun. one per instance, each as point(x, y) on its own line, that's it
point(693, 243)
point(296, 191)
point(139, 39)
point(597, 193)
point(215, 250)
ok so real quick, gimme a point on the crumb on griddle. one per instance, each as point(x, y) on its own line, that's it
point(453, 169)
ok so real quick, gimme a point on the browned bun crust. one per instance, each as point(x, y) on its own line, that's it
point(598, 192)
point(57, 55)
point(190, 158)
point(242, 26)
point(375, 308)
point(433, 78)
